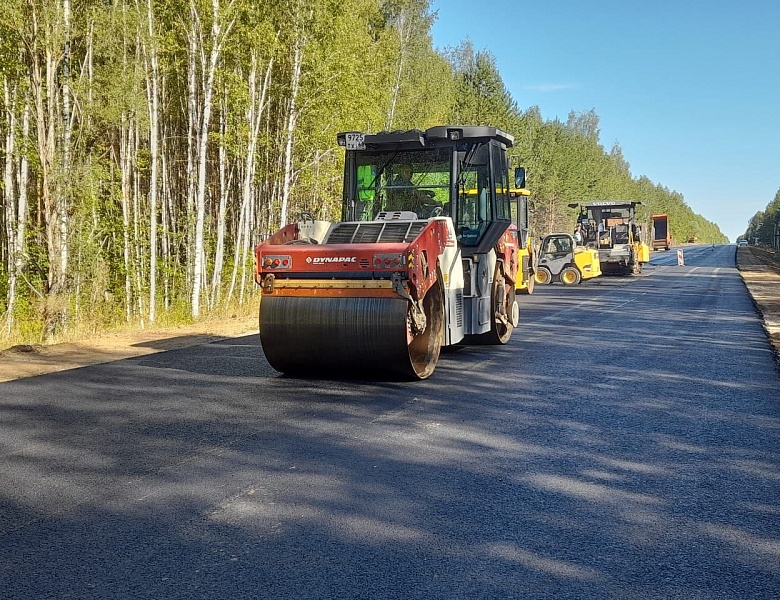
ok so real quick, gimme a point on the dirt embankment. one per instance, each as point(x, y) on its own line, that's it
point(27, 361)
point(759, 269)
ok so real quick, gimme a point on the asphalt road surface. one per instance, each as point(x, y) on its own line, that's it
point(625, 444)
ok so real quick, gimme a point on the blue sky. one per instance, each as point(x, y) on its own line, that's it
point(690, 89)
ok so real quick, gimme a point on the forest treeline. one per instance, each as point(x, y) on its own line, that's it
point(145, 145)
point(764, 227)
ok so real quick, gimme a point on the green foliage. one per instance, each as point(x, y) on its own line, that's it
point(481, 98)
point(419, 79)
point(764, 227)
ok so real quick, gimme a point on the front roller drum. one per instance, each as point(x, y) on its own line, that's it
point(350, 336)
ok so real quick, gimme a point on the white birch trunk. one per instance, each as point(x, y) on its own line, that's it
point(153, 105)
point(224, 188)
point(254, 118)
point(10, 201)
point(193, 117)
point(292, 119)
point(124, 169)
point(67, 125)
point(209, 70)
point(245, 247)
point(21, 208)
point(138, 250)
point(200, 191)
point(165, 219)
point(403, 28)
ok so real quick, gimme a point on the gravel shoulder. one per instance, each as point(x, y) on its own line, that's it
point(759, 270)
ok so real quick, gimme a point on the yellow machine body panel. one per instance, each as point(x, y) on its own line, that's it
point(525, 274)
point(642, 251)
point(587, 261)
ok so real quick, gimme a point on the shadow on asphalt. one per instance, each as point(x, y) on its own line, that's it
point(566, 464)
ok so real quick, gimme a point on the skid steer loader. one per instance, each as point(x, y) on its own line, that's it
point(562, 260)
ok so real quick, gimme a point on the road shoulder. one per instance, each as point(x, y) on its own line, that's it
point(31, 360)
point(761, 274)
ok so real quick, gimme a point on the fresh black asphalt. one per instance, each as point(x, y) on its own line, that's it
point(625, 444)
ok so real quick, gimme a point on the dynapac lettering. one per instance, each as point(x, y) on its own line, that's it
point(334, 259)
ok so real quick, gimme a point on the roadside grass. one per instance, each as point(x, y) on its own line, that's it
point(27, 330)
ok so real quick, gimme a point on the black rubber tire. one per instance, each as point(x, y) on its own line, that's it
point(570, 276)
point(543, 276)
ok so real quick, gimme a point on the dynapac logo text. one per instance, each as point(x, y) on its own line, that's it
point(319, 260)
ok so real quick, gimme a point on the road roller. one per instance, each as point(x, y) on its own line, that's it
point(425, 256)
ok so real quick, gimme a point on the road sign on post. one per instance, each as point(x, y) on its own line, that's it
point(680, 258)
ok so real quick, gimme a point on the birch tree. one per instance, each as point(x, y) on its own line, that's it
point(257, 94)
point(8, 251)
point(301, 14)
point(45, 36)
point(15, 179)
point(225, 173)
point(152, 77)
point(410, 20)
point(205, 54)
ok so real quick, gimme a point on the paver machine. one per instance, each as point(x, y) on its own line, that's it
point(611, 228)
point(424, 256)
point(562, 260)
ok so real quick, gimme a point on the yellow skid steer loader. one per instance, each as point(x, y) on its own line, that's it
point(561, 259)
